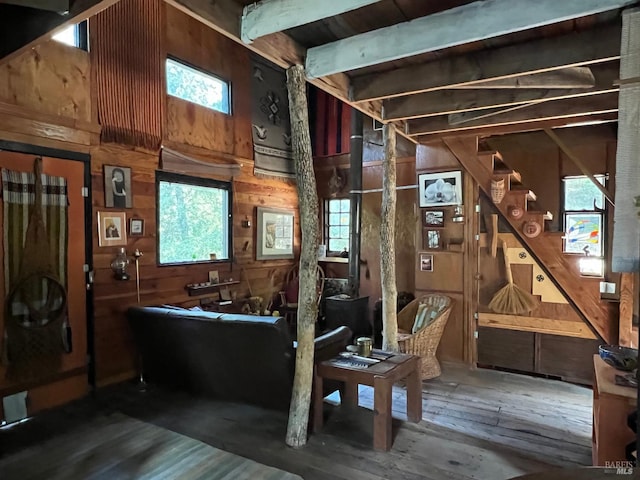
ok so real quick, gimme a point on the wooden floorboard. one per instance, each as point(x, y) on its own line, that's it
point(476, 425)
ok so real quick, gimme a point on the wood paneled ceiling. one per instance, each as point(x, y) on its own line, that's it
point(438, 67)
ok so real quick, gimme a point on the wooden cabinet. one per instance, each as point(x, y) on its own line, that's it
point(611, 406)
point(559, 356)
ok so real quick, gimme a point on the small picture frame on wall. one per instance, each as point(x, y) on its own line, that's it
point(112, 229)
point(117, 187)
point(432, 239)
point(136, 227)
point(426, 262)
point(434, 218)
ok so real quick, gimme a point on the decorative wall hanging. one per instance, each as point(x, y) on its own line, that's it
point(531, 229)
point(127, 59)
point(440, 189)
point(274, 234)
point(35, 264)
point(336, 182)
point(271, 127)
point(497, 190)
point(583, 231)
point(515, 212)
point(432, 239)
point(136, 227)
point(117, 187)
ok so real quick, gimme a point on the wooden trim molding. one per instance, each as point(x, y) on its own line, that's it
point(535, 324)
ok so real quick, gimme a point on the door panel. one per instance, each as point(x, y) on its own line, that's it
point(73, 373)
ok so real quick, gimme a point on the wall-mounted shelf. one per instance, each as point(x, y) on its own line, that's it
point(333, 260)
point(207, 288)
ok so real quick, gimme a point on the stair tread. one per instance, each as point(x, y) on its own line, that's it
point(545, 214)
point(524, 191)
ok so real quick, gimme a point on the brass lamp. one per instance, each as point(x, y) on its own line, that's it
point(119, 265)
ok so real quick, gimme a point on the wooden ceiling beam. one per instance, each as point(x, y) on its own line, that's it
point(542, 55)
point(550, 110)
point(22, 29)
point(458, 101)
point(469, 23)
point(58, 6)
point(573, 77)
point(224, 16)
point(271, 16)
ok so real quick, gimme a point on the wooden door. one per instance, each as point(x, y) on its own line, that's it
point(70, 381)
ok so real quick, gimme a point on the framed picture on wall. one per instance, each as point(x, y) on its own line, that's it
point(136, 227)
point(112, 229)
point(274, 234)
point(432, 239)
point(434, 218)
point(117, 187)
point(440, 189)
point(426, 262)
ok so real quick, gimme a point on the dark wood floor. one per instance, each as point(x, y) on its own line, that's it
point(476, 424)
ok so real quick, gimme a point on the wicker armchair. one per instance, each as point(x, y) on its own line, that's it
point(425, 341)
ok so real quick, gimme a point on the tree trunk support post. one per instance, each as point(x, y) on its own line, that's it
point(307, 296)
point(387, 241)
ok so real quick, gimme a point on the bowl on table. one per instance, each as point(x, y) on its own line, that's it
point(622, 358)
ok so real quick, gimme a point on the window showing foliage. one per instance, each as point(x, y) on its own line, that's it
point(194, 86)
point(338, 219)
point(580, 194)
point(194, 219)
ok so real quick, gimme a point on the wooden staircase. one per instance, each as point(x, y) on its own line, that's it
point(582, 292)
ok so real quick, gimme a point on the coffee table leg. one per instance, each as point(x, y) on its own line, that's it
point(414, 394)
point(381, 414)
point(317, 402)
point(350, 394)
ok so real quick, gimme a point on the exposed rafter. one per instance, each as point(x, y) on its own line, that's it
point(224, 17)
point(469, 23)
point(58, 6)
point(271, 16)
point(572, 77)
point(459, 101)
point(575, 49)
point(576, 107)
point(21, 30)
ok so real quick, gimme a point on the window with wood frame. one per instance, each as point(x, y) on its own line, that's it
point(584, 222)
point(337, 218)
point(197, 86)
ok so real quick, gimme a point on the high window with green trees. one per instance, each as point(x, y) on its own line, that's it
point(194, 219)
point(196, 86)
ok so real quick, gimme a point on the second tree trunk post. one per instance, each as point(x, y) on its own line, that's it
point(387, 242)
point(308, 293)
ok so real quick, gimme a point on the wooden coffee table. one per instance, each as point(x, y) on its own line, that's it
point(381, 376)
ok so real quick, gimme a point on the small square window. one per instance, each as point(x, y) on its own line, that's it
point(195, 86)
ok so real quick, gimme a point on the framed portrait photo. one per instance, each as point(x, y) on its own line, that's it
point(426, 262)
point(112, 229)
point(433, 218)
point(117, 187)
point(274, 234)
point(136, 227)
point(432, 239)
point(440, 189)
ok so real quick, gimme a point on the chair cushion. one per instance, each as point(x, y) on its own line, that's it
point(425, 316)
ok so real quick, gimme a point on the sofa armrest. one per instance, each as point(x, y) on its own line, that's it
point(332, 343)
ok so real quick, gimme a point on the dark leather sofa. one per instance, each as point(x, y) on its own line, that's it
point(233, 357)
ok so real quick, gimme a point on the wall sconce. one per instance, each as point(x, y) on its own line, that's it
point(458, 214)
point(119, 265)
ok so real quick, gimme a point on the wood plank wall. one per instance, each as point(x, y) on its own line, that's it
point(206, 134)
point(370, 283)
